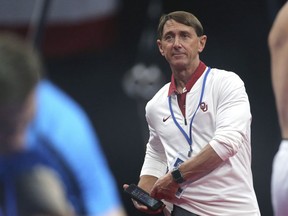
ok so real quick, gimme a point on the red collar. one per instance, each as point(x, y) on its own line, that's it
point(195, 76)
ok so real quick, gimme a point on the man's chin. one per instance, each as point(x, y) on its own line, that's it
point(179, 64)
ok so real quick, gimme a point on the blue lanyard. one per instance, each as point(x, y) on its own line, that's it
point(189, 138)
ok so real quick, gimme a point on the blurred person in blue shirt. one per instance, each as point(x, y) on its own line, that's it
point(41, 126)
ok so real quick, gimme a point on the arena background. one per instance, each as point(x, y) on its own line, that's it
point(93, 75)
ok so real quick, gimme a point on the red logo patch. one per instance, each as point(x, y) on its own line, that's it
point(203, 106)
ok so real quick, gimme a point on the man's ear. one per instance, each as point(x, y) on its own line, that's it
point(160, 47)
point(202, 43)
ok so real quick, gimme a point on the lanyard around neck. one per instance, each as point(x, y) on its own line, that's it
point(189, 138)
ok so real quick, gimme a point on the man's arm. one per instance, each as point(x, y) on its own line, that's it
point(192, 169)
point(278, 47)
point(202, 164)
point(146, 182)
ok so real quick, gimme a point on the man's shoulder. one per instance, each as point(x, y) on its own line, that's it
point(221, 71)
point(222, 74)
point(160, 96)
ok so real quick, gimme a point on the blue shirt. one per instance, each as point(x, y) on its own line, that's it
point(61, 128)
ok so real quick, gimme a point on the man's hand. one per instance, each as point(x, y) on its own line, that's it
point(165, 188)
point(142, 207)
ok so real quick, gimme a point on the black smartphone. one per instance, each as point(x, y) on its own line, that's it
point(143, 197)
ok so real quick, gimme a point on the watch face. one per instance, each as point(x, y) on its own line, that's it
point(177, 176)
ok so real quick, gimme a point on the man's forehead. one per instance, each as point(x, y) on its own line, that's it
point(172, 25)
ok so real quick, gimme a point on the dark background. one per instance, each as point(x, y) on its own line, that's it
point(237, 40)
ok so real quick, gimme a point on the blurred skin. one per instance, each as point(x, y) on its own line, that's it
point(180, 46)
point(278, 46)
point(14, 119)
point(40, 186)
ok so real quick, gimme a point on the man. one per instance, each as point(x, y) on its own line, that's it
point(199, 155)
point(278, 46)
point(40, 126)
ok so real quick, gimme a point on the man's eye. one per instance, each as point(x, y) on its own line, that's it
point(168, 37)
point(185, 35)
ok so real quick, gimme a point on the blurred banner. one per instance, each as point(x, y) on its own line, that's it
point(71, 26)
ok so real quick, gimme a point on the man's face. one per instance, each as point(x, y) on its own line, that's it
point(180, 44)
point(14, 120)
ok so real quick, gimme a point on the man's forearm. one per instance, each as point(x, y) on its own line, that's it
point(202, 164)
point(146, 182)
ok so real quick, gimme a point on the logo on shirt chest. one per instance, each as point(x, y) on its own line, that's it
point(166, 118)
point(203, 106)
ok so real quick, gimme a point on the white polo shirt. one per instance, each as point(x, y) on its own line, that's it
point(223, 120)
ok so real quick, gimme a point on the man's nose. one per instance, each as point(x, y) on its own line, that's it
point(177, 42)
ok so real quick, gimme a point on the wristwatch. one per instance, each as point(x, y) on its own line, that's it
point(177, 175)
